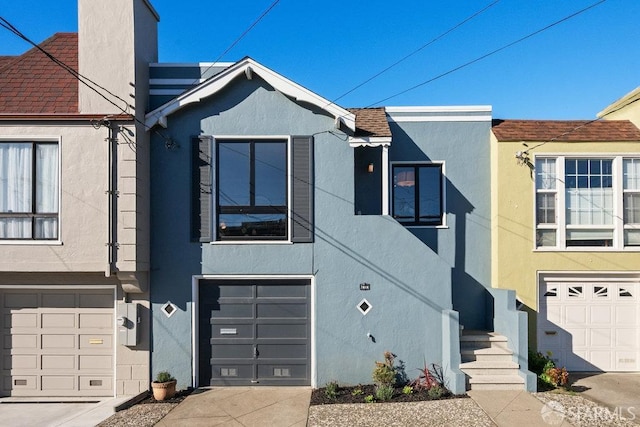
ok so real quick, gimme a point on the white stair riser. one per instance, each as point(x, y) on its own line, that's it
point(486, 358)
point(475, 345)
point(474, 372)
point(497, 387)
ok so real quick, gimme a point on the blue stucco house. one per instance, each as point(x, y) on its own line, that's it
point(293, 241)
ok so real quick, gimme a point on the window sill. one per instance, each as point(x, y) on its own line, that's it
point(586, 249)
point(251, 242)
point(31, 242)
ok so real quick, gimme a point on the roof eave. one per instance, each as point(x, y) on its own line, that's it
point(249, 67)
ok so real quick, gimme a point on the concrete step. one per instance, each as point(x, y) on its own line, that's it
point(496, 382)
point(482, 336)
point(491, 354)
point(475, 368)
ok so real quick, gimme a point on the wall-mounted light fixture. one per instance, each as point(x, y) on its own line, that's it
point(370, 168)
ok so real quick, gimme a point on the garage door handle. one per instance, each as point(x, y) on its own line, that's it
point(550, 332)
point(255, 351)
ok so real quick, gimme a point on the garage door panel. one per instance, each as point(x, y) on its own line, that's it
point(100, 321)
point(54, 383)
point(21, 320)
point(230, 310)
point(20, 361)
point(282, 370)
point(554, 314)
point(232, 351)
point(95, 383)
point(576, 315)
point(626, 338)
point(600, 337)
point(61, 361)
point(21, 382)
point(58, 320)
point(232, 371)
point(229, 331)
point(51, 341)
point(96, 341)
point(20, 341)
point(280, 329)
point(626, 314)
point(601, 314)
point(626, 359)
point(283, 351)
point(96, 362)
point(278, 310)
point(577, 338)
point(279, 291)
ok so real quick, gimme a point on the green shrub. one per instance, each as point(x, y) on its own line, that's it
point(435, 392)
point(369, 399)
point(545, 368)
point(331, 390)
point(407, 389)
point(357, 392)
point(164, 377)
point(384, 374)
point(384, 392)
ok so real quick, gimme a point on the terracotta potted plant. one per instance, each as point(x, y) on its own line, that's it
point(164, 387)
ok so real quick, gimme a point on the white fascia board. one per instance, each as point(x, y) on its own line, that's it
point(166, 81)
point(620, 102)
point(190, 64)
point(441, 109)
point(374, 141)
point(277, 81)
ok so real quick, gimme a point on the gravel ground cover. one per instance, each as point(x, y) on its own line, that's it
point(146, 413)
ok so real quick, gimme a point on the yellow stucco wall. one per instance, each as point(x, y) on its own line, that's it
point(515, 262)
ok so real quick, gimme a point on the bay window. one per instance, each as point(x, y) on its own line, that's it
point(28, 190)
point(587, 201)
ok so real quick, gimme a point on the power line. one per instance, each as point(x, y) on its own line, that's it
point(466, 64)
point(244, 33)
point(6, 24)
point(404, 58)
point(81, 78)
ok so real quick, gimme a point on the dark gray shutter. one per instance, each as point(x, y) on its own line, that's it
point(302, 189)
point(201, 189)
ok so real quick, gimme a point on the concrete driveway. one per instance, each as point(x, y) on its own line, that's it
point(30, 412)
point(616, 391)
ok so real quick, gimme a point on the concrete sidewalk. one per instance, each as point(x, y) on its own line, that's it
point(517, 408)
point(242, 406)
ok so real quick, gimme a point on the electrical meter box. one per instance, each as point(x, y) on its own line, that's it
point(127, 322)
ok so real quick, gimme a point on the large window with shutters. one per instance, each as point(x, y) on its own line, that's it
point(251, 194)
point(587, 202)
point(255, 189)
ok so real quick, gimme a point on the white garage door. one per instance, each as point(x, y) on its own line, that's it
point(57, 342)
point(590, 326)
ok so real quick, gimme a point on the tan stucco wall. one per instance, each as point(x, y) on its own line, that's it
point(83, 205)
point(515, 261)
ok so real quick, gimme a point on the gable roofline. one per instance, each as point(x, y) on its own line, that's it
point(248, 67)
point(632, 96)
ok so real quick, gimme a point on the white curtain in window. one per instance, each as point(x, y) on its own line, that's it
point(590, 206)
point(15, 189)
point(46, 190)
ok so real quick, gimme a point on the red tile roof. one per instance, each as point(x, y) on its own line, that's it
point(565, 130)
point(33, 84)
point(371, 122)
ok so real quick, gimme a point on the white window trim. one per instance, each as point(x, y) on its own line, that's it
point(443, 190)
point(214, 231)
point(41, 138)
point(618, 226)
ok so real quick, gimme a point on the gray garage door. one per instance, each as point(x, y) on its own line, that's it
point(255, 332)
point(57, 342)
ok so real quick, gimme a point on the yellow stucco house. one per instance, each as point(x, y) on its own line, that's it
point(566, 233)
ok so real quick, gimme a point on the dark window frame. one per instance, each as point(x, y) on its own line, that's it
point(33, 215)
point(440, 221)
point(251, 208)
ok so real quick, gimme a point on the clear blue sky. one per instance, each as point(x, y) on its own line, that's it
point(570, 71)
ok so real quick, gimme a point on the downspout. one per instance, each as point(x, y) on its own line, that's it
point(111, 194)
